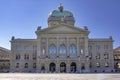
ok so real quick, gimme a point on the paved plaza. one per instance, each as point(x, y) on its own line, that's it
point(46, 76)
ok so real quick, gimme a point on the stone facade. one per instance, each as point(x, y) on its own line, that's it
point(4, 59)
point(117, 59)
point(62, 47)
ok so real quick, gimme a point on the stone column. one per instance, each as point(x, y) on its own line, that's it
point(68, 67)
point(47, 66)
point(68, 46)
point(47, 47)
point(78, 48)
point(78, 69)
point(38, 54)
point(57, 38)
point(39, 48)
point(86, 46)
point(57, 67)
point(86, 54)
point(87, 67)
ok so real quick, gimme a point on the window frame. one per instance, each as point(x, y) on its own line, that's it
point(62, 49)
point(73, 49)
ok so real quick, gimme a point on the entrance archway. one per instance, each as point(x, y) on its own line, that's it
point(73, 67)
point(52, 67)
point(82, 67)
point(62, 67)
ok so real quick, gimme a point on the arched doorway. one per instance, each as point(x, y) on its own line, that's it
point(43, 68)
point(82, 67)
point(62, 67)
point(52, 67)
point(73, 67)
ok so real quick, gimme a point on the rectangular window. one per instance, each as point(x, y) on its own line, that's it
point(17, 65)
point(34, 47)
point(97, 47)
point(26, 56)
point(34, 65)
point(106, 56)
point(98, 56)
point(98, 64)
point(34, 56)
point(18, 57)
point(17, 48)
point(106, 64)
point(105, 47)
point(26, 48)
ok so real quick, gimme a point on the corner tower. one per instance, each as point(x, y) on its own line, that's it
point(60, 16)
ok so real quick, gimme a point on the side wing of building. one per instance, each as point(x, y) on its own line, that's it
point(23, 55)
point(4, 59)
point(101, 55)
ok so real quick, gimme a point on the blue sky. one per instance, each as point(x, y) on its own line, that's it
point(20, 18)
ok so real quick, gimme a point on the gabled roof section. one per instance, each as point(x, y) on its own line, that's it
point(61, 29)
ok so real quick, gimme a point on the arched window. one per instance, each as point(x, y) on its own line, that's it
point(34, 65)
point(73, 49)
point(62, 49)
point(52, 49)
point(26, 65)
point(17, 65)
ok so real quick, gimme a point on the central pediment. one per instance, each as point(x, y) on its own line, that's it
point(63, 29)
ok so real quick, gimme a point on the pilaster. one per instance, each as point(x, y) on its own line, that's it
point(57, 38)
point(68, 67)
point(68, 46)
point(47, 47)
point(86, 46)
point(58, 67)
point(78, 48)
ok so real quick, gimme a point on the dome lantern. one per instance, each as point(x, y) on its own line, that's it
point(60, 16)
point(60, 8)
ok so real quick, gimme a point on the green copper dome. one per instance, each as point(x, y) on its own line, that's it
point(60, 12)
point(57, 13)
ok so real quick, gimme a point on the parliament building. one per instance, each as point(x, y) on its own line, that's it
point(62, 48)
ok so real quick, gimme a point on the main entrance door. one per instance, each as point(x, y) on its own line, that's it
point(73, 67)
point(62, 67)
point(52, 67)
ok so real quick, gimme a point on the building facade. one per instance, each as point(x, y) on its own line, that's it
point(117, 59)
point(4, 60)
point(62, 47)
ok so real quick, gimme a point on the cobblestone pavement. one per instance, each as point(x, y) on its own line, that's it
point(39, 76)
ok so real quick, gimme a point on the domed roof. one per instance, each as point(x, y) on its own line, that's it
point(57, 13)
point(60, 12)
